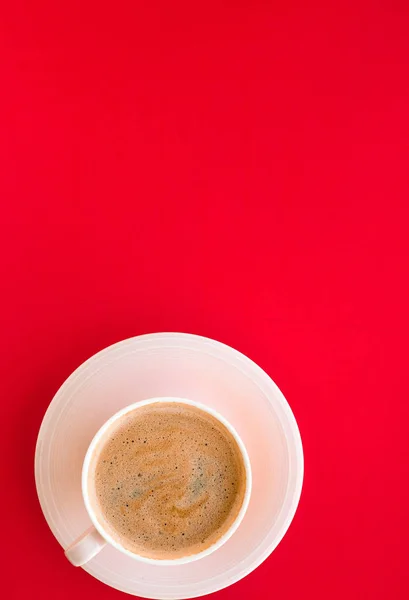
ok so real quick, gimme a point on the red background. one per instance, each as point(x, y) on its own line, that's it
point(238, 170)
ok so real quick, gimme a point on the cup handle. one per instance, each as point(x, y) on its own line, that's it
point(85, 547)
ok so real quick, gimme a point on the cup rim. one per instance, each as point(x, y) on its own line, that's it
point(185, 559)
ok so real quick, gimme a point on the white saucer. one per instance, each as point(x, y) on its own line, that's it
point(182, 365)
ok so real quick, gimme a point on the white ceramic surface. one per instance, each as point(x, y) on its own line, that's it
point(180, 365)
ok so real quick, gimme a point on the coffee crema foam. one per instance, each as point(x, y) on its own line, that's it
point(167, 480)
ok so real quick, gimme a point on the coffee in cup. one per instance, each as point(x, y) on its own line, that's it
point(166, 480)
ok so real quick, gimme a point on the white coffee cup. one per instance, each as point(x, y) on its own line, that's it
point(96, 537)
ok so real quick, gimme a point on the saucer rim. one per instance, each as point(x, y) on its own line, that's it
point(251, 365)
